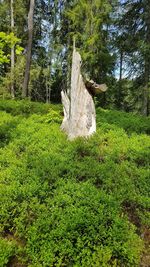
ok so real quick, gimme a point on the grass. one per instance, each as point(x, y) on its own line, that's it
point(82, 203)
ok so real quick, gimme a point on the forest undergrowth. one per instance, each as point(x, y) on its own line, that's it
point(78, 203)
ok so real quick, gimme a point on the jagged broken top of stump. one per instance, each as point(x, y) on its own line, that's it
point(95, 88)
point(78, 104)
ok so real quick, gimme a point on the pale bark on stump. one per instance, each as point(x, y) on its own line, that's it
point(79, 109)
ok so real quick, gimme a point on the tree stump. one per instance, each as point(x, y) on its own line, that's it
point(79, 109)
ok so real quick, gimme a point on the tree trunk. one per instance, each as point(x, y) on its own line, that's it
point(25, 90)
point(12, 53)
point(121, 65)
point(48, 86)
point(146, 89)
point(47, 93)
point(79, 110)
point(120, 89)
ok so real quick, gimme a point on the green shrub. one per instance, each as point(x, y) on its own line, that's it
point(7, 250)
point(78, 203)
point(79, 225)
point(129, 122)
point(7, 127)
point(25, 107)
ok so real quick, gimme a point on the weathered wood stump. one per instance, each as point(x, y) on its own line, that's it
point(79, 109)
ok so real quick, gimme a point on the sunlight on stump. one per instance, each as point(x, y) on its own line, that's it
point(79, 109)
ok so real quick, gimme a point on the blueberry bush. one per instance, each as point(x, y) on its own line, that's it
point(82, 203)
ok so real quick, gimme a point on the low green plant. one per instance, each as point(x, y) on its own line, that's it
point(7, 250)
point(79, 203)
point(128, 121)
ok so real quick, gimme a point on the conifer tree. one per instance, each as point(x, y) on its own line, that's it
point(134, 29)
point(89, 22)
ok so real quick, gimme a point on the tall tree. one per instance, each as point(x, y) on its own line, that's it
point(135, 26)
point(25, 90)
point(12, 52)
point(146, 91)
point(89, 22)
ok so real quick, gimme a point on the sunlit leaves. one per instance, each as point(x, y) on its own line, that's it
point(8, 41)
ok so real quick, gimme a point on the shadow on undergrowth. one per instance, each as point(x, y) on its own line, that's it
point(127, 121)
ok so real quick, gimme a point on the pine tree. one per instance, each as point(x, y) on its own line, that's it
point(89, 23)
point(134, 29)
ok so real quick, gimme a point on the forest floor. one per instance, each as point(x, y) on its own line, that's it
point(78, 203)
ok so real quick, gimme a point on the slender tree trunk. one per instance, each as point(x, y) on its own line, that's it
point(25, 90)
point(146, 89)
point(12, 53)
point(119, 88)
point(121, 65)
point(48, 87)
